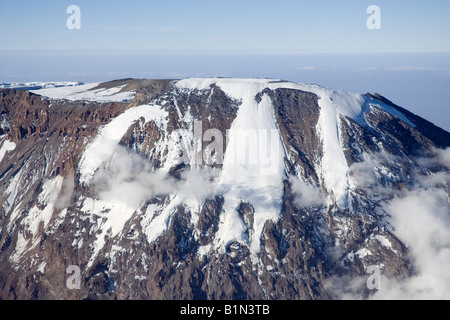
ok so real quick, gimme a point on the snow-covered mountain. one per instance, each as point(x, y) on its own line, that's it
point(219, 189)
point(37, 85)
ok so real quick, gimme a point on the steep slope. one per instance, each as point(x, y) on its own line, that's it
point(205, 189)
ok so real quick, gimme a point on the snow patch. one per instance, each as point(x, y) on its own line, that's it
point(6, 146)
point(385, 242)
point(104, 145)
point(37, 217)
point(361, 253)
point(37, 85)
point(112, 218)
point(85, 92)
point(47, 199)
point(42, 267)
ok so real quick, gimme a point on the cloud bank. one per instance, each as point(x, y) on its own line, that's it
point(305, 195)
point(420, 218)
point(129, 178)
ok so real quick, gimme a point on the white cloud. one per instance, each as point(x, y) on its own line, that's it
point(369, 174)
point(305, 68)
point(306, 195)
point(66, 194)
point(129, 178)
point(420, 218)
point(365, 69)
point(443, 156)
point(197, 185)
point(363, 173)
point(414, 68)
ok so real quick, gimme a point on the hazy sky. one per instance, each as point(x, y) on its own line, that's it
point(253, 26)
point(325, 42)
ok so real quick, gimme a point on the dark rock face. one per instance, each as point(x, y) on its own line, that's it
point(428, 131)
point(30, 113)
point(300, 253)
point(297, 113)
point(209, 220)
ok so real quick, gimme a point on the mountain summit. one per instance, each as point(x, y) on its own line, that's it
point(218, 189)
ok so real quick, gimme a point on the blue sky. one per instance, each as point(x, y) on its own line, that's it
point(245, 26)
point(325, 42)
